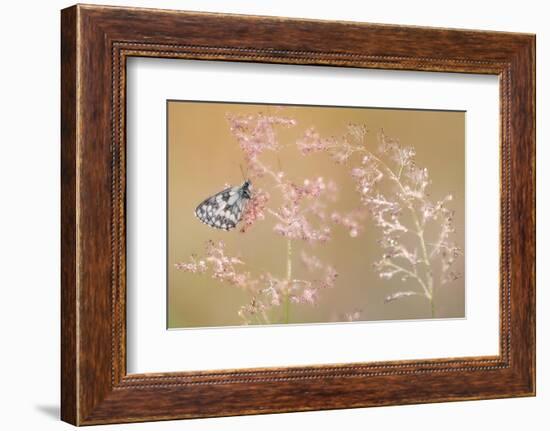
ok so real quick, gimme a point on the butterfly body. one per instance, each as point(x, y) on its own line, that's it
point(224, 210)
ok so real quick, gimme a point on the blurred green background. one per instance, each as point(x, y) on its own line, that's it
point(203, 156)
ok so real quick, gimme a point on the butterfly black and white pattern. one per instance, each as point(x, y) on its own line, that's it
point(225, 209)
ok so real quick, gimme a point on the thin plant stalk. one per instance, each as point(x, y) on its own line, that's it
point(288, 278)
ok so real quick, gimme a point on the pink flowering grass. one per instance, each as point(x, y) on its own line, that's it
point(302, 212)
point(417, 232)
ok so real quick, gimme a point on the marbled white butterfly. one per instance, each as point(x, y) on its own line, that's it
point(225, 209)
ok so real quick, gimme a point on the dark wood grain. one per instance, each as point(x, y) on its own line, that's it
point(96, 41)
point(69, 398)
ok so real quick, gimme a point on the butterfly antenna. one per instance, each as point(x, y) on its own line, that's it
point(243, 173)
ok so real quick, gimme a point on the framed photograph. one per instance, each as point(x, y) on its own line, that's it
point(309, 210)
point(318, 215)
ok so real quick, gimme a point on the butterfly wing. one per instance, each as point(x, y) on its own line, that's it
point(222, 210)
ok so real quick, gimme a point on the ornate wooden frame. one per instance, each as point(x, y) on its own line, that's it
point(95, 43)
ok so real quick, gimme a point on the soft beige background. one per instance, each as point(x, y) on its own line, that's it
point(203, 156)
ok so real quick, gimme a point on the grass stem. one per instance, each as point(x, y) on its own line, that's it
point(288, 279)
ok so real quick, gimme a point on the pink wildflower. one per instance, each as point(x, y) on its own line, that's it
point(353, 221)
point(311, 262)
point(220, 266)
point(255, 210)
point(255, 135)
point(312, 142)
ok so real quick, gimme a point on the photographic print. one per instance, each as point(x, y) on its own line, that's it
point(297, 214)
